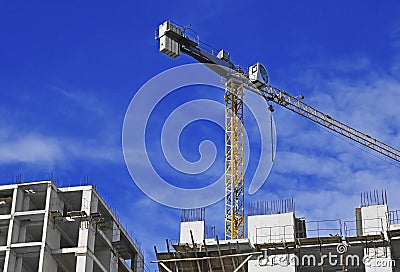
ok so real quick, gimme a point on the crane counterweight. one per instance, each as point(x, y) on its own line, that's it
point(169, 46)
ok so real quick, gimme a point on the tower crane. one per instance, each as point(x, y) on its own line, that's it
point(175, 39)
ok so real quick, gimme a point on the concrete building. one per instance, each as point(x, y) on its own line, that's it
point(278, 241)
point(48, 229)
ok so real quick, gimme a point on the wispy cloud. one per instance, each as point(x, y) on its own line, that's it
point(49, 149)
point(33, 135)
point(82, 99)
point(30, 149)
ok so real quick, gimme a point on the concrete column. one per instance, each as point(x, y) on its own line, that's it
point(9, 261)
point(46, 262)
point(19, 195)
point(116, 233)
point(86, 238)
point(137, 263)
point(22, 233)
point(113, 263)
point(27, 200)
point(49, 263)
point(14, 264)
point(53, 238)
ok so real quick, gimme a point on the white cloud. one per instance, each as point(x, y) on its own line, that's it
point(369, 104)
point(84, 100)
point(45, 149)
point(24, 142)
point(30, 149)
point(305, 164)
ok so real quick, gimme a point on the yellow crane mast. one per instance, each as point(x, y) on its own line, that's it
point(174, 41)
point(234, 160)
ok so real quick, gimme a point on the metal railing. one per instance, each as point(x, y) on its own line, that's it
point(324, 228)
point(288, 233)
point(275, 234)
point(371, 226)
point(210, 232)
point(394, 217)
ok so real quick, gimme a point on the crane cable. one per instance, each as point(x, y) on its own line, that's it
point(271, 109)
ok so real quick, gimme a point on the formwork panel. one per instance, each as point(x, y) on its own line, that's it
point(271, 228)
point(374, 219)
point(197, 229)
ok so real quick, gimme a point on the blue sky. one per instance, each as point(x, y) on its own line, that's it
point(68, 72)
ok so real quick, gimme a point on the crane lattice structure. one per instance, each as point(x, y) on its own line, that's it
point(174, 40)
point(234, 159)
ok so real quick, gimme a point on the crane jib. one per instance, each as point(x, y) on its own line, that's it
point(286, 100)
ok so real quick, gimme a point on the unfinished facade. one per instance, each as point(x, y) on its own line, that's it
point(279, 241)
point(48, 229)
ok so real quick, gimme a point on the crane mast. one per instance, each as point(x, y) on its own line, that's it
point(174, 41)
point(234, 160)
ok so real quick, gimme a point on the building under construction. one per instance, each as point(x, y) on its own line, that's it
point(276, 240)
point(45, 228)
point(279, 241)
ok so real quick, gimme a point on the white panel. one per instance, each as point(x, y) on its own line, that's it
point(279, 262)
point(394, 226)
point(197, 228)
point(378, 260)
point(271, 228)
point(374, 219)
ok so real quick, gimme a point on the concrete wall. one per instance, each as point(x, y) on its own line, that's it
point(197, 228)
point(271, 228)
point(374, 219)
